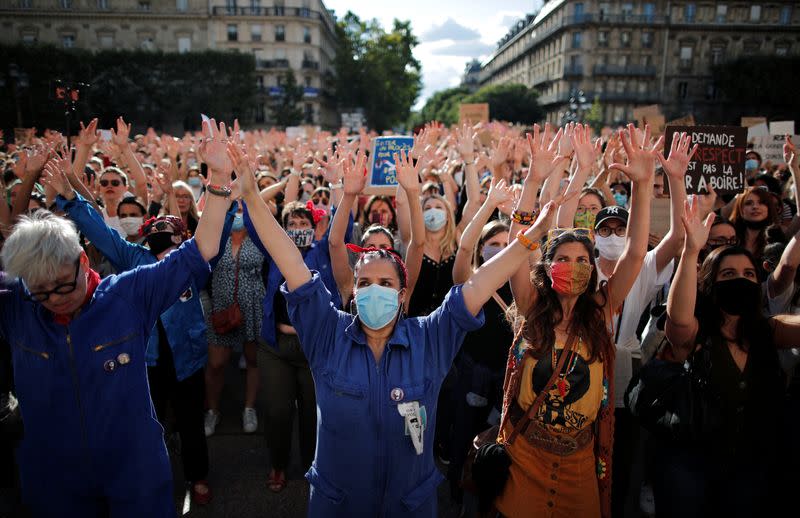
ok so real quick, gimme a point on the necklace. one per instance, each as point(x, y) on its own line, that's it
point(572, 360)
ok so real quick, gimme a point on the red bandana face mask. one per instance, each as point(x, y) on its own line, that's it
point(570, 278)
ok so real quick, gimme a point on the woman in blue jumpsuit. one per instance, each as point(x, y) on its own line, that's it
point(93, 446)
point(377, 374)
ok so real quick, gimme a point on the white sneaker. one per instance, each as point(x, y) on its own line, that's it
point(249, 420)
point(242, 362)
point(647, 502)
point(211, 421)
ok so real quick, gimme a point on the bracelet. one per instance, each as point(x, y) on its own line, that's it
point(219, 190)
point(336, 185)
point(523, 218)
point(526, 242)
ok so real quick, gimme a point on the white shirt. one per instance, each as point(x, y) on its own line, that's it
point(785, 304)
point(644, 289)
point(113, 222)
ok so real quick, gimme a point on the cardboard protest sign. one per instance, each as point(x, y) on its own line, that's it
point(659, 216)
point(382, 173)
point(771, 147)
point(686, 120)
point(473, 113)
point(759, 130)
point(295, 132)
point(752, 121)
point(643, 111)
point(781, 128)
point(719, 160)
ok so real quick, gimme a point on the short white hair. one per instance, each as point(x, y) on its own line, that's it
point(39, 246)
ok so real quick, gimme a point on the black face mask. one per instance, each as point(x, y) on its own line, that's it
point(160, 241)
point(738, 296)
point(756, 225)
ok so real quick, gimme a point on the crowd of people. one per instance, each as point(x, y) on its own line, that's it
point(507, 321)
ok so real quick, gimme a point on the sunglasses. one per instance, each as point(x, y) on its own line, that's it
point(580, 232)
point(61, 289)
point(319, 200)
point(721, 241)
point(115, 183)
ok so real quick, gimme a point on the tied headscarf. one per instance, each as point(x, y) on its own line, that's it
point(316, 214)
point(362, 250)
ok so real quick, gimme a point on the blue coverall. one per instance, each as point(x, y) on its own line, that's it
point(92, 443)
point(365, 464)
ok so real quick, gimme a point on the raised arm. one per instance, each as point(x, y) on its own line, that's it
point(408, 179)
point(499, 193)
point(675, 170)
point(286, 255)
point(494, 273)
point(681, 328)
point(355, 179)
point(784, 274)
point(792, 159)
point(640, 168)
point(120, 138)
point(32, 166)
point(586, 154)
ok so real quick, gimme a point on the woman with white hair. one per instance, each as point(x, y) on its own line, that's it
point(93, 445)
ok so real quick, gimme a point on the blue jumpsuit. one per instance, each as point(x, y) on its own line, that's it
point(93, 444)
point(365, 464)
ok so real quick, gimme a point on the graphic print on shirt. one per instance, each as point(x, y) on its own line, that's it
point(556, 411)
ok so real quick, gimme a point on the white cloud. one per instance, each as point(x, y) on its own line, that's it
point(467, 49)
point(450, 30)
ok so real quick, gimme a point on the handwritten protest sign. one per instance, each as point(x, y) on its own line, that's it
point(771, 147)
point(752, 121)
point(781, 128)
point(719, 160)
point(473, 113)
point(382, 173)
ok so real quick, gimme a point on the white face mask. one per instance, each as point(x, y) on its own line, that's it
point(610, 247)
point(131, 225)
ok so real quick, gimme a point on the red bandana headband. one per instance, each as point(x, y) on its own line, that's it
point(361, 250)
point(316, 214)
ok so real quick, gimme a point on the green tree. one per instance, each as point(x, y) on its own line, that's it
point(286, 110)
point(594, 117)
point(509, 102)
point(442, 106)
point(376, 70)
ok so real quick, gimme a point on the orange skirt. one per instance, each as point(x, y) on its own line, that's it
point(543, 484)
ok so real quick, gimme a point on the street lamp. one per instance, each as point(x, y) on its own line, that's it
point(578, 104)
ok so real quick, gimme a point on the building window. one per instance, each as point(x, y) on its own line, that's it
point(25, 4)
point(259, 115)
point(649, 10)
point(786, 15)
point(717, 54)
point(182, 5)
point(722, 13)
point(643, 87)
point(144, 5)
point(621, 86)
point(68, 41)
point(102, 4)
point(280, 33)
point(625, 39)
point(308, 82)
point(230, 6)
point(647, 39)
point(148, 43)
point(686, 57)
point(623, 60)
point(255, 32)
point(755, 13)
point(578, 10)
point(751, 47)
point(184, 44)
point(604, 9)
point(627, 11)
point(106, 41)
point(29, 37)
point(688, 13)
point(711, 92)
point(280, 10)
point(683, 90)
point(65, 4)
point(602, 38)
point(280, 53)
point(255, 6)
point(306, 34)
point(309, 113)
point(233, 32)
point(576, 40)
point(782, 49)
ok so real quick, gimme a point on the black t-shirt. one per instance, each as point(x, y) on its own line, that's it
point(433, 283)
point(489, 345)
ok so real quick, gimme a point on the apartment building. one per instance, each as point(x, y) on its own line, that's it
point(281, 34)
point(628, 54)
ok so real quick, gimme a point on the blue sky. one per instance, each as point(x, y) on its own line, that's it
point(451, 32)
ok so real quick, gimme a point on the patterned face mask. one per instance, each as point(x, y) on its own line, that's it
point(585, 220)
point(302, 238)
point(570, 278)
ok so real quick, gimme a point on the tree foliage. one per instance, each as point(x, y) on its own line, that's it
point(162, 90)
point(759, 85)
point(442, 106)
point(286, 109)
point(507, 102)
point(594, 117)
point(376, 70)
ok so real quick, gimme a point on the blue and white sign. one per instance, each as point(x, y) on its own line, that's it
point(382, 170)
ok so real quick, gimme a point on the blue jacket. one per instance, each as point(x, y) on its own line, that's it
point(317, 257)
point(91, 433)
point(365, 465)
point(183, 321)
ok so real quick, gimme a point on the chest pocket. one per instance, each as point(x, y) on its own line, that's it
point(406, 393)
point(344, 405)
point(33, 375)
point(111, 360)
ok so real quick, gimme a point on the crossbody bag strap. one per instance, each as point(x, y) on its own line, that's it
point(523, 422)
point(236, 274)
point(500, 302)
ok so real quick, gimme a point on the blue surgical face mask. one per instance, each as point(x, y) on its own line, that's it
point(751, 164)
point(489, 251)
point(238, 222)
point(621, 199)
point(377, 305)
point(435, 219)
point(195, 181)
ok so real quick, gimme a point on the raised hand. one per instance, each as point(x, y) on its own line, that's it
point(121, 135)
point(466, 142)
point(706, 202)
point(500, 151)
point(407, 172)
point(697, 230)
point(585, 151)
point(355, 175)
point(499, 193)
point(245, 182)
point(37, 160)
point(214, 149)
point(679, 156)
point(790, 155)
point(566, 146)
point(164, 179)
point(544, 156)
point(544, 222)
point(641, 164)
point(55, 177)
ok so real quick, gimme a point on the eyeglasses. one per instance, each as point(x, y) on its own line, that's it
point(582, 210)
point(721, 241)
point(61, 289)
point(607, 231)
point(115, 183)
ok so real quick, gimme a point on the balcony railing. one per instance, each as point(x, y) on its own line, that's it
point(624, 70)
point(631, 97)
point(301, 12)
point(310, 65)
point(573, 71)
point(273, 63)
